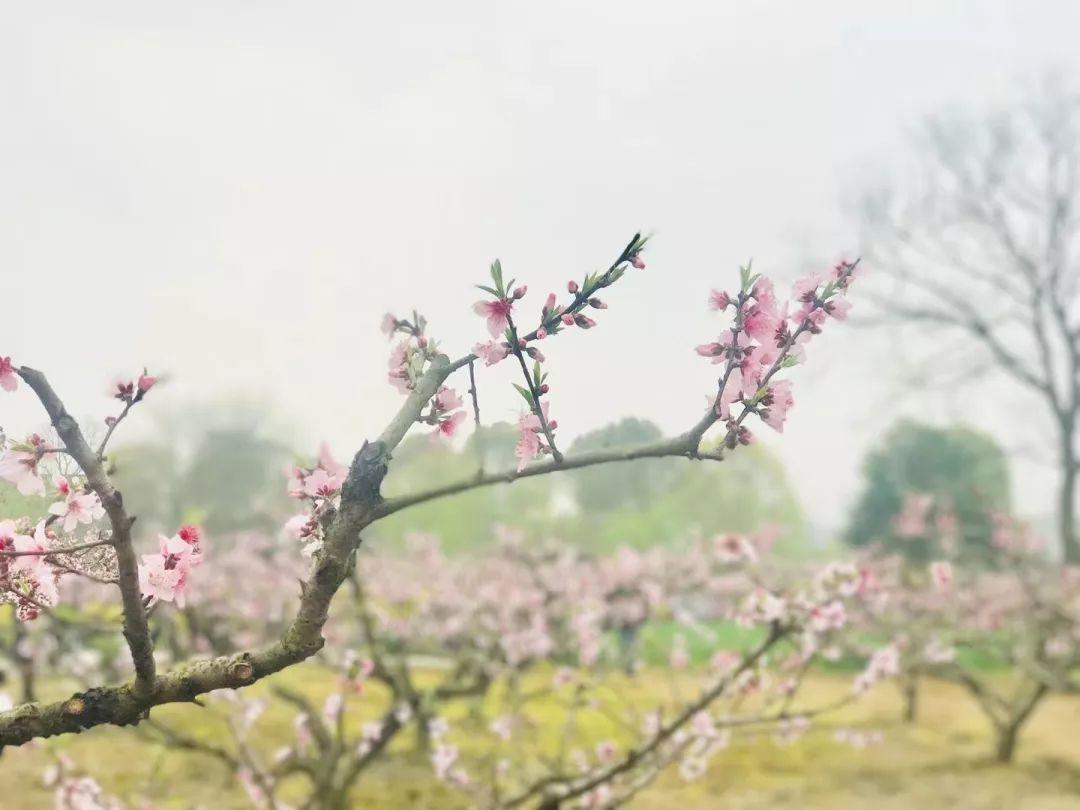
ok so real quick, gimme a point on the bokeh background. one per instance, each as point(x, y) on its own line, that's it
point(232, 194)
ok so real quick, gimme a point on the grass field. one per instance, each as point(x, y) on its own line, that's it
point(941, 761)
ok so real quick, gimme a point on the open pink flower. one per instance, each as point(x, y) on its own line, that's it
point(491, 352)
point(497, 313)
point(32, 550)
point(321, 484)
point(160, 582)
point(446, 399)
point(20, 468)
point(761, 321)
point(528, 446)
point(78, 508)
point(778, 401)
point(805, 288)
point(447, 428)
point(9, 380)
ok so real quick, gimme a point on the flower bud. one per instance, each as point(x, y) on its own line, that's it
point(596, 303)
point(584, 321)
point(549, 305)
point(522, 343)
point(145, 382)
point(541, 333)
point(544, 388)
point(553, 424)
point(572, 287)
point(519, 293)
point(568, 319)
point(638, 262)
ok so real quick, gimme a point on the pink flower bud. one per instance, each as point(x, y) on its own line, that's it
point(110, 421)
point(544, 388)
point(596, 303)
point(146, 382)
point(638, 262)
point(553, 424)
point(568, 319)
point(519, 293)
point(549, 305)
point(421, 342)
point(572, 287)
point(541, 333)
point(584, 321)
point(522, 343)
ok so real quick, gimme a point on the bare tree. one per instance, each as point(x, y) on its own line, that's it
point(980, 243)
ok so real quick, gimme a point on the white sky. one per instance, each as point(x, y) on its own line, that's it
point(235, 192)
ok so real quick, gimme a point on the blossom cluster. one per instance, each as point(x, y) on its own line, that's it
point(318, 487)
point(164, 576)
point(68, 540)
point(765, 337)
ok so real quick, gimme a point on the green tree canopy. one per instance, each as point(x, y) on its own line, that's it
point(964, 470)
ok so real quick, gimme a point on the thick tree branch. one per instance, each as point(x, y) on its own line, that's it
point(136, 630)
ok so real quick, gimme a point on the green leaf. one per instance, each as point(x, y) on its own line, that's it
point(487, 289)
point(536, 373)
point(525, 393)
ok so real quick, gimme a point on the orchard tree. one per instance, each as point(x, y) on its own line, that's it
point(90, 532)
point(922, 483)
point(979, 250)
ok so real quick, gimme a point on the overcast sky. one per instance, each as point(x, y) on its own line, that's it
point(234, 192)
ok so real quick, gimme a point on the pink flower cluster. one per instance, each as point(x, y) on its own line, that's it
point(319, 487)
point(19, 465)
point(765, 337)
point(446, 413)
point(28, 580)
point(164, 576)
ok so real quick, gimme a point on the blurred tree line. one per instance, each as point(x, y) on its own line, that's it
point(639, 503)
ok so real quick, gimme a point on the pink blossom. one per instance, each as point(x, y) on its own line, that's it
point(9, 380)
point(76, 509)
point(497, 313)
point(718, 299)
point(911, 521)
point(491, 352)
point(804, 288)
point(296, 526)
point(120, 388)
point(528, 446)
point(447, 428)
point(20, 468)
point(321, 484)
point(145, 382)
point(838, 307)
point(778, 401)
point(942, 575)
point(446, 399)
point(638, 262)
point(761, 322)
point(734, 548)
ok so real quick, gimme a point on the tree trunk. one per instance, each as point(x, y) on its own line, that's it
point(26, 664)
point(1006, 742)
point(1070, 543)
point(910, 688)
point(1009, 733)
